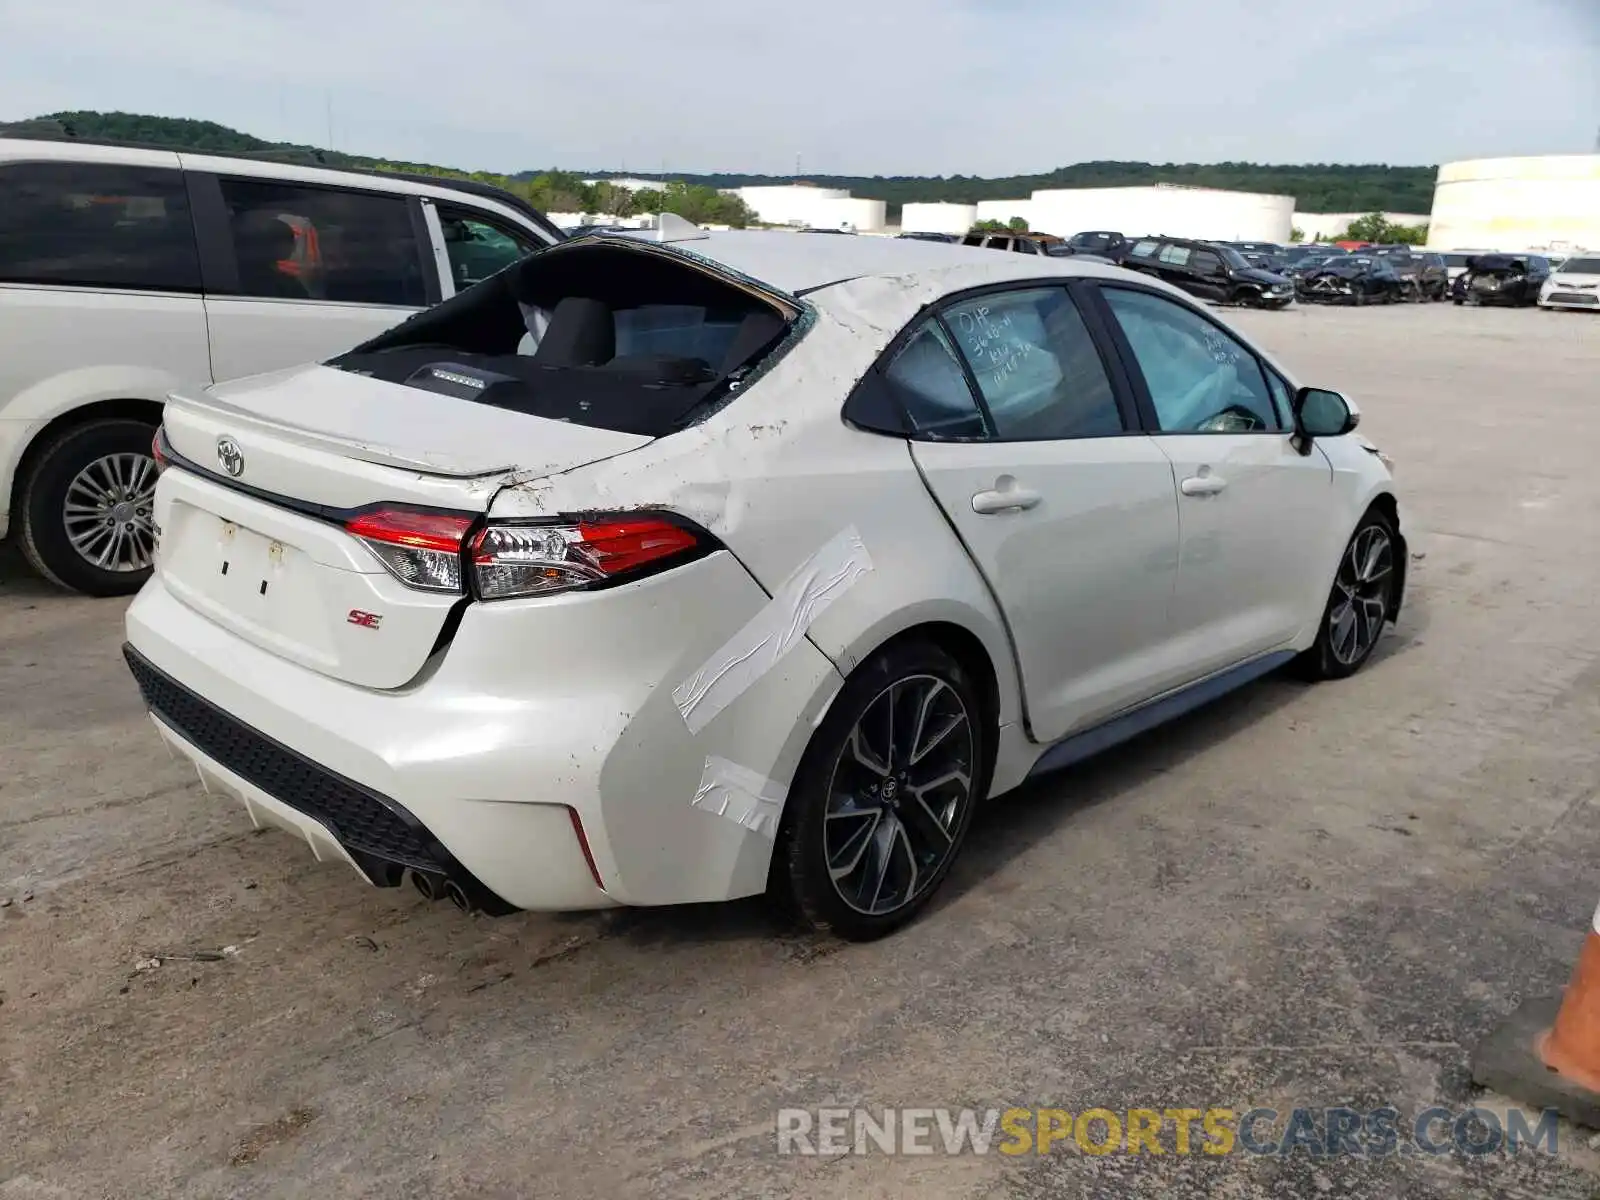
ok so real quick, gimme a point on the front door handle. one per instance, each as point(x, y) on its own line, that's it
point(1202, 485)
point(1005, 497)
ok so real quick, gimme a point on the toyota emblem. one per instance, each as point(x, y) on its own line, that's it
point(230, 456)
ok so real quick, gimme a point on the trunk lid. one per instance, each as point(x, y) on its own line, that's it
point(253, 538)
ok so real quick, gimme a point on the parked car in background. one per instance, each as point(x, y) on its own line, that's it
point(1297, 272)
point(1210, 270)
point(1103, 243)
point(128, 273)
point(1455, 262)
point(1352, 279)
point(1305, 252)
point(1502, 279)
point(1077, 504)
point(1423, 275)
point(1277, 264)
point(1574, 284)
point(1017, 243)
point(930, 237)
point(1272, 248)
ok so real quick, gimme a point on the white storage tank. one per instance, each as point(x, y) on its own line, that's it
point(1550, 202)
point(852, 213)
point(938, 218)
point(1170, 209)
point(790, 203)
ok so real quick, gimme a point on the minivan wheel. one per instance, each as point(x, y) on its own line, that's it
point(884, 794)
point(1359, 604)
point(87, 507)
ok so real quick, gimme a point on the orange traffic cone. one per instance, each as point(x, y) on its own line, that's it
point(1547, 1053)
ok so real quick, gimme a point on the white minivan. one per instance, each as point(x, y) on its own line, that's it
point(127, 273)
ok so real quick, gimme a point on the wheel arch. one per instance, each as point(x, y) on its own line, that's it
point(1386, 504)
point(970, 651)
point(145, 411)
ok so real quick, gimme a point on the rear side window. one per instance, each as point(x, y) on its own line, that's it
point(1175, 256)
point(1143, 249)
point(1037, 367)
point(295, 242)
point(93, 225)
point(931, 387)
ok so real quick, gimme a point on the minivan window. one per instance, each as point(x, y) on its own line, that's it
point(478, 247)
point(95, 225)
point(296, 242)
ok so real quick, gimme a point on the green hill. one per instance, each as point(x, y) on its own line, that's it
point(1317, 187)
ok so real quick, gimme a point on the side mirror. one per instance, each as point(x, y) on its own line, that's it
point(1321, 413)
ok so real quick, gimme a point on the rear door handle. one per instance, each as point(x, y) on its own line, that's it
point(1003, 500)
point(1202, 485)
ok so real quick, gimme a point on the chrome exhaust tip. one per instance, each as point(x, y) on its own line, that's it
point(454, 893)
point(430, 887)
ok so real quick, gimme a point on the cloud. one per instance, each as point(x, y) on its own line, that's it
point(850, 86)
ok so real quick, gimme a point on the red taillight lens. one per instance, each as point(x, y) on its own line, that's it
point(535, 560)
point(421, 549)
point(158, 449)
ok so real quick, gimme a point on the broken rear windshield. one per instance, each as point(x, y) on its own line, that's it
point(614, 335)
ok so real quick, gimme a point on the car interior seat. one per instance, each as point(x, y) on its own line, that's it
point(261, 241)
point(582, 333)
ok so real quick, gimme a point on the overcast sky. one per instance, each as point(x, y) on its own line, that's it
point(936, 87)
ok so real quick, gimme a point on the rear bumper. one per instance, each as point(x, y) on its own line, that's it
point(538, 710)
point(339, 819)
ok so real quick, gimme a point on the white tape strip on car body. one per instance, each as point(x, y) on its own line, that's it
point(741, 795)
point(774, 631)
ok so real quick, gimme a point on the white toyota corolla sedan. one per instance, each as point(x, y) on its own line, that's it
point(682, 569)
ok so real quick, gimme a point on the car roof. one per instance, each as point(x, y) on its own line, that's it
point(797, 264)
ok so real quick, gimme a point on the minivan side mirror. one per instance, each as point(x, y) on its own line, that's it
point(1321, 413)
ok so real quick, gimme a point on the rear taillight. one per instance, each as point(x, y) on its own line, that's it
point(535, 560)
point(158, 449)
point(421, 549)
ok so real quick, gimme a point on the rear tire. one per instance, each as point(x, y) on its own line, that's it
point(106, 472)
point(884, 794)
point(1359, 603)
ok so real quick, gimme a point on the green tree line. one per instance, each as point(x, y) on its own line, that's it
point(1317, 187)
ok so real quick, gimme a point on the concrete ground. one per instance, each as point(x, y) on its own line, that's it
point(1302, 896)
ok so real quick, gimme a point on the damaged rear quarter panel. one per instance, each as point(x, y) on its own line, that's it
point(775, 475)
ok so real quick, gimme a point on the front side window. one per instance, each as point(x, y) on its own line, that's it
point(295, 242)
point(1282, 397)
point(1038, 370)
point(1206, 263)
point(1175, 256)
point(478, 248)
point(1201, 380)
point(93, 225)
point(932, 388)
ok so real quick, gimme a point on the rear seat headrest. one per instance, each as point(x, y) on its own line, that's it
point(582, 333)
